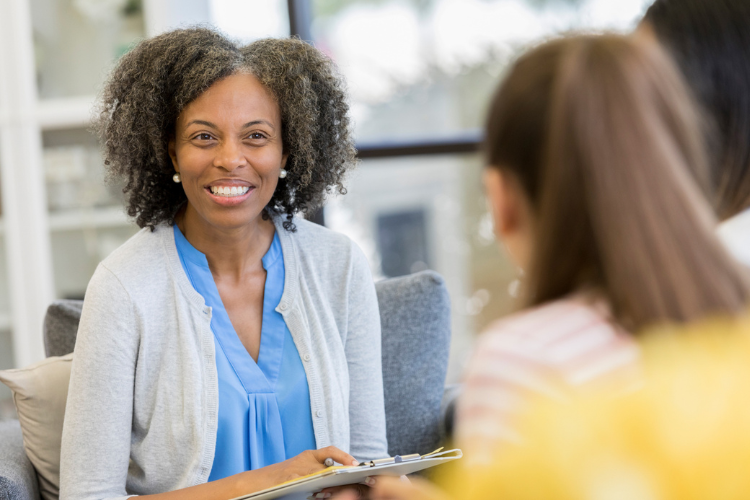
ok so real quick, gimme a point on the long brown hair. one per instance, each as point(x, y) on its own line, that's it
point(602, 135)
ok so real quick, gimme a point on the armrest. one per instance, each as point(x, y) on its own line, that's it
point(448, 411)
point(17, 476)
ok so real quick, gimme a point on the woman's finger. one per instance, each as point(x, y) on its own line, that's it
point(337, 455)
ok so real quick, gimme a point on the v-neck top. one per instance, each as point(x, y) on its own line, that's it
point(264, 414)
point(142, 412)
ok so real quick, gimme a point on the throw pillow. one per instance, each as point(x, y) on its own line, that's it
point(40, 392)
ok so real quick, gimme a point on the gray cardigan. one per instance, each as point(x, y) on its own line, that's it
point(141, 415)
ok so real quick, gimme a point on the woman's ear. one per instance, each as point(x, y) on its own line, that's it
point(511, 214)
point(504, 201)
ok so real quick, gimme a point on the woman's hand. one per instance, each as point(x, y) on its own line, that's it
point(394, 488)
point(305, 463)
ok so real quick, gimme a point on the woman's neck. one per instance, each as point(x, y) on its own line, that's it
point(232, 251)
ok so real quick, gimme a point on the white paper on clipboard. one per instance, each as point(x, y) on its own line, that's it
point(339, 476)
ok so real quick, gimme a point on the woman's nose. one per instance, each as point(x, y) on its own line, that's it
point(229, 156)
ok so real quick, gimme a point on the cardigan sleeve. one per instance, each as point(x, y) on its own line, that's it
point(363, 356)
point(96, 437)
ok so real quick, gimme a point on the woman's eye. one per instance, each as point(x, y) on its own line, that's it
point(204, 137)
point(257, 135)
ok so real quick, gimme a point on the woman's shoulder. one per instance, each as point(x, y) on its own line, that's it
point(308, 233)
point(547, 351)
point(140, 261)
point(323, 247)
point(549, 320)
point(570, 332)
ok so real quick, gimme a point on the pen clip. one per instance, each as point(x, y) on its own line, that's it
point(434, 452)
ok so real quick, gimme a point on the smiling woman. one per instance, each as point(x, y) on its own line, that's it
point(227, 326)
point(155, 82)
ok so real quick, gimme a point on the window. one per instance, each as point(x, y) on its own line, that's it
point(420, 74)
point(426, 68)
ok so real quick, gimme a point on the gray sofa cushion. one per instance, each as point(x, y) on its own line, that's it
point(17, 476)
point(61, 326)
point(416, 326)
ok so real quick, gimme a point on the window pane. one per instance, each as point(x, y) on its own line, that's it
point(426, 68)
point(247, 21)
point(76, 42)
point(409, 214)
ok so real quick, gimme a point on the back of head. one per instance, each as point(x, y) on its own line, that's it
point(710, 40)
point(601, 133)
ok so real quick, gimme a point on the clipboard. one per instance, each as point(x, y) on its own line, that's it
point(301, 488)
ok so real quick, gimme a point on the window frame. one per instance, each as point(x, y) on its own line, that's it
point(300, 25)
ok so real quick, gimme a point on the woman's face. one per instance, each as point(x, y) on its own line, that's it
point(227, 148)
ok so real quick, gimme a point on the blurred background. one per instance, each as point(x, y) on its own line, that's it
point(419, 72)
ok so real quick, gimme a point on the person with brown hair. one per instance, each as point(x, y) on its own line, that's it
point(595, 160)
point(594, 155)
point(710, 42)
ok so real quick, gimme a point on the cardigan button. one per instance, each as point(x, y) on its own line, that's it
point(307, 357)
point(319, 413)
point(282, 307)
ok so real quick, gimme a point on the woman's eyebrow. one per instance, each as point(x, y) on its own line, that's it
point(257, 122)
point(201, 122)
point(211, 125)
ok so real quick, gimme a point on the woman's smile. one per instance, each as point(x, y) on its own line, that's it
point(229, 192)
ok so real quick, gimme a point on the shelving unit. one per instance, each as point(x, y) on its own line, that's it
point(63, 113)
point(47, 92)
point(77, 220)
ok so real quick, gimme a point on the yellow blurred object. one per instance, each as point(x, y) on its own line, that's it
point(684, 435)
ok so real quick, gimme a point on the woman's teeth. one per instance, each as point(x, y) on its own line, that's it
point(229, 191)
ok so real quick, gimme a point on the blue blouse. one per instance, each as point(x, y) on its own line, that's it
point(264, 407)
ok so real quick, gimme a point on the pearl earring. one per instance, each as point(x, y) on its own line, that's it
point(282, 174)
point(177, 178)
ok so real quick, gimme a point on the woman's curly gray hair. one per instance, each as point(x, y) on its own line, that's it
point(154, 82)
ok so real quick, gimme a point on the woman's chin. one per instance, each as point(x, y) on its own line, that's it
point(227, 219)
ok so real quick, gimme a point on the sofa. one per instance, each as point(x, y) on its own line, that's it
point(415, 319)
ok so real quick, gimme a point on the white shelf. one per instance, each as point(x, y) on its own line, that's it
point(73, 220)
point(76, 220)
point(69, 112)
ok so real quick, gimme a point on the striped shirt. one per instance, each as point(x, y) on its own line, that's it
point(547, 351)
